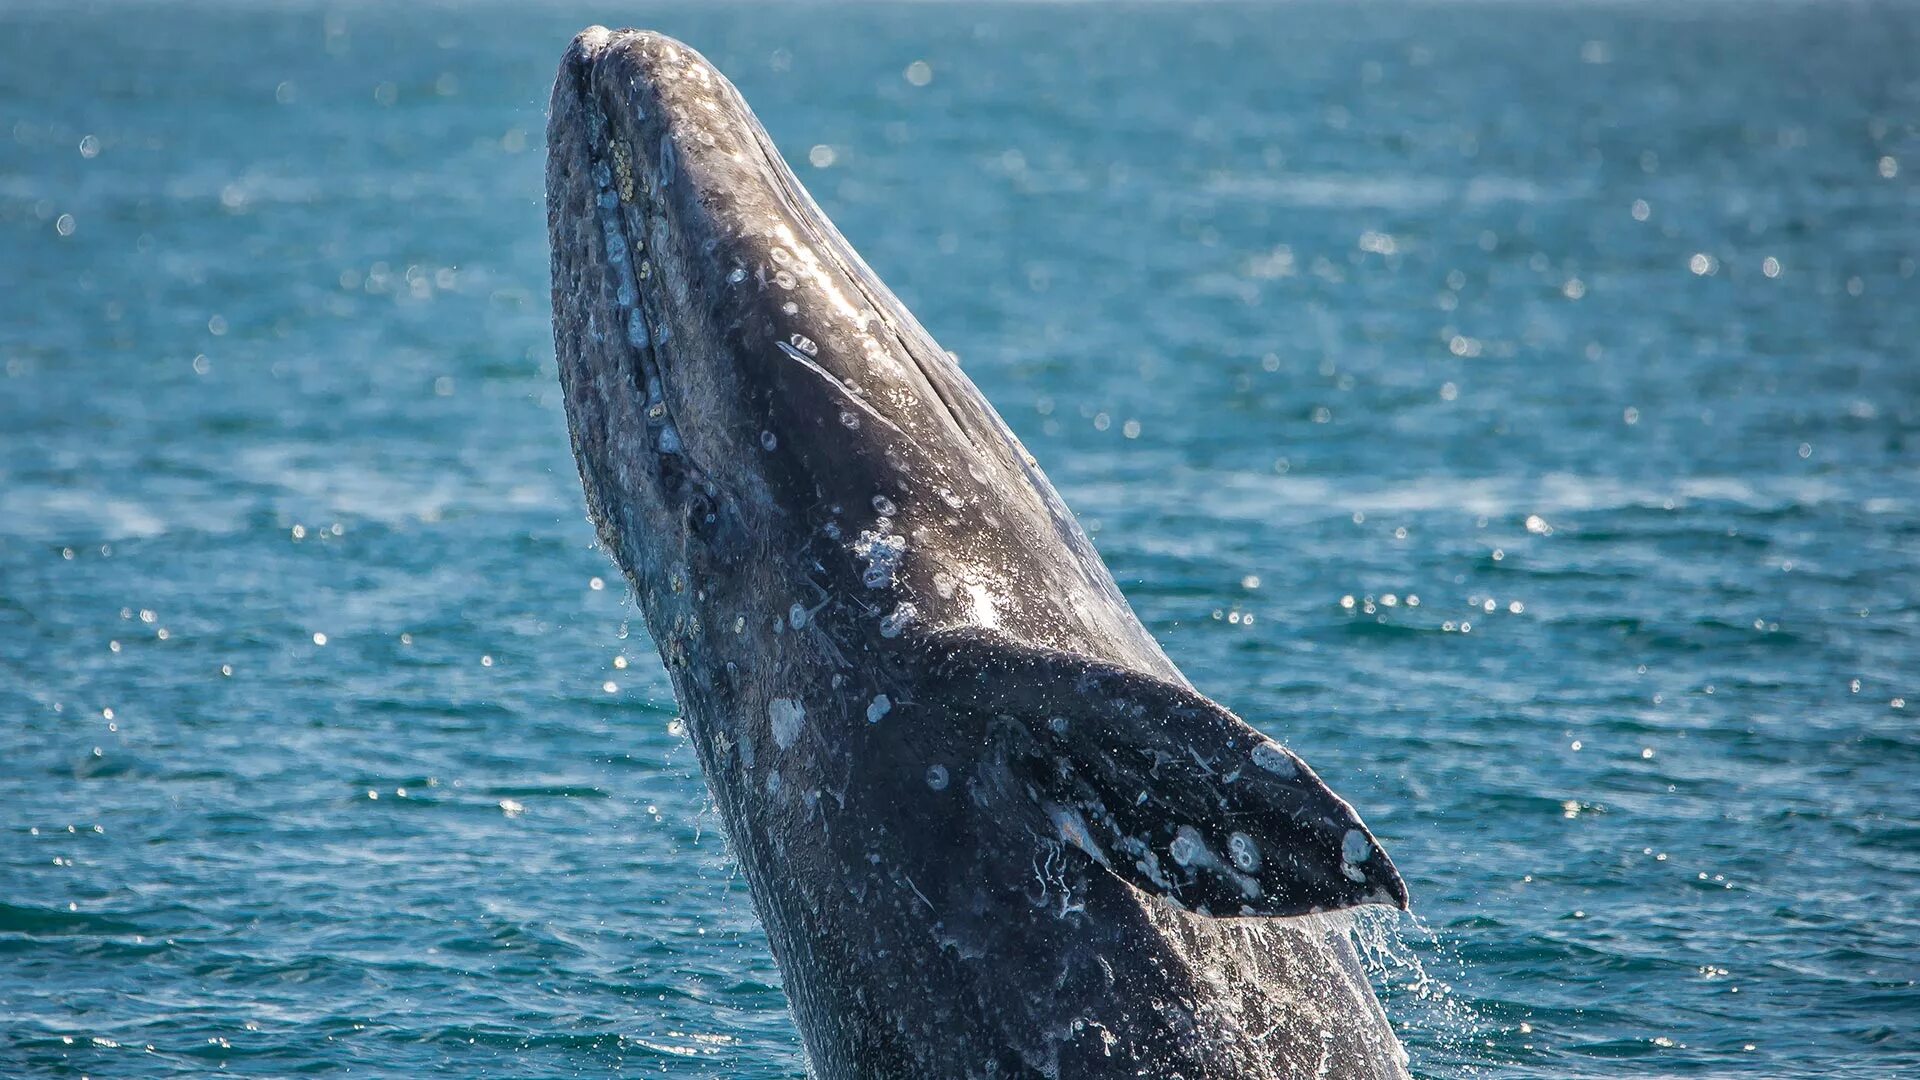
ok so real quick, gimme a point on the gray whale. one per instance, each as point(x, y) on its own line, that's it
point(991, 830)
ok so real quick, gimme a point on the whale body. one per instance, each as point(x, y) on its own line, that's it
point(990, 828)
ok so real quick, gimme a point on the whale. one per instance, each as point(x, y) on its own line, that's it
point(989, 827)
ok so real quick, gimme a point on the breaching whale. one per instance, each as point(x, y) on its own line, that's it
point(991, 830)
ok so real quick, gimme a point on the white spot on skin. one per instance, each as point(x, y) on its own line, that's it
point(666, 160)
point(1354, 847)
point(884, 506)
point(1073, 829)
point(937, 777)
point(1188, 848)
point(786, 715)
point(878, 708)
point(769, 441)
point(882, 553)
point(1244, 852)
point(797, 615)
point(1275, 759)
point(892, 624)
point(1354, 850)
point(1149, 865)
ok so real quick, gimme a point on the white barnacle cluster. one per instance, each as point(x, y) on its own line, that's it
point(897, 620)
point(615, 190)
point(1145, 861)
point(880, 547)
point(1243, 851)
point(882, 552)
point(1274, 758)
point(1189, 850)
point(614, 234)
point(1187, 847)
point(782, 277)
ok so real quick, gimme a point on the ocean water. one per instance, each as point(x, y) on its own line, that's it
point(1513, 407)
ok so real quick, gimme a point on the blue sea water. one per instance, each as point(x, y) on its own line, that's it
point(1515, 407)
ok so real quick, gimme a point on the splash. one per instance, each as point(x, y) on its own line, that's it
point(1414, 972)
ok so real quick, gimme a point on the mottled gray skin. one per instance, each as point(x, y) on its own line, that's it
point(990, 829)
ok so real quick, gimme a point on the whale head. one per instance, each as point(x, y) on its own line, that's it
point(748, 400)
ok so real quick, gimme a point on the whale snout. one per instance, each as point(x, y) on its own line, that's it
point(643, 79)
point(644, 50)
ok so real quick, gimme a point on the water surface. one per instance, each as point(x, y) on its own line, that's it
point(1515, 408)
